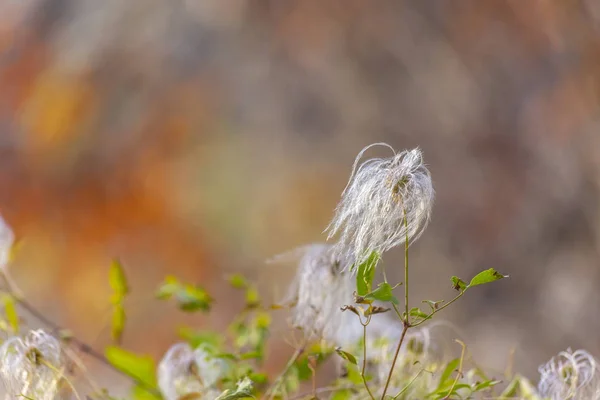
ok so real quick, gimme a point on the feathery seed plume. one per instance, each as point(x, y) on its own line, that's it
point(320, 288)
point(570, 375)
point(380, 194)
point(31, 367)
point(186, 372)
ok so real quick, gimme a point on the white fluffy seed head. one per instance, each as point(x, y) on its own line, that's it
point(570, 375)
point(7, 239)
point(319, 289)
point(186, 372)
point(32, 367)
point(380, 194)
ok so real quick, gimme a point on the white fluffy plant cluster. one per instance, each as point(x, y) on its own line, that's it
point(570, 375)
point(387, 202)
point(32, 367)
point(190, 373)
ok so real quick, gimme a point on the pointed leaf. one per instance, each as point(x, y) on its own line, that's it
point(366, 273)
point(382, 293)
point(117, 280)
point(346, 356)
point(118, 322)
point(487, 276)
point(140, 367)
point(458, 284)
point(11, 313)
point(237, 281)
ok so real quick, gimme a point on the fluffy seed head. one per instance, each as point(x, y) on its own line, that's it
point(570, 375)
point(186, 372)
point(318, 291)
point(380, 194)
point(31, 367)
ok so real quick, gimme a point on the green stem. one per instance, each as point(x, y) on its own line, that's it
point(389, 378)
point(272, 391)
point(409, 384)
point(364, 364)
point(439, 309)
point(406, 268)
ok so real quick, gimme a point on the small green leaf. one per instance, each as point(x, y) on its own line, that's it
point(118, 322)
point(433, 304)
point(486, 384)
point(458, 284)
point(417, 312)
point(252, 297)
point(263, 320)
point(450, 367)
point(346, 356)
point(139, 367)
point(11, 313)
point(366, 273)
point(170, 286)
point(142, 393)
point(237, 281)
point(192, 299)
point(487, 276)
point(117, 280)
point(382, 293)
point(243, 390)
point(342, 394)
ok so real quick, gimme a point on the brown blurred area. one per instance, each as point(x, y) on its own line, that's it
point(197, 138)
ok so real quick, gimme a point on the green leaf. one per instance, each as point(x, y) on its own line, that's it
point(487, 276)
point(118, 322)
point(252, 297)
point(486, 384)
point(346, 356)
point(117, 280)
point(139, 367)
point(237, 281)
point(243, 390)
point(433, 304)
point(169, 287)
point(192, 299)
point(11, 313)
point(366, 273)
point(262, 320)
point(141, 393)
point(342, 394)
point(417, 312)
point(458, 284)
point(383, 293)
point(450, 367)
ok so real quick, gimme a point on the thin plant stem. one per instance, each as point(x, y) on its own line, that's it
point(63, 376)
point(405, 320)
point(364, 363)
point(389, 378)
point(272, 390)
point(406, 268)
point(459, 371)
point(405, 388)
point(428, 317)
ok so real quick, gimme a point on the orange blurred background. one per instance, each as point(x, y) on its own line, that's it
point(198, 138)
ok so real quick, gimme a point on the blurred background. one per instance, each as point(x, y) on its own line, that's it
point(200, 137)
